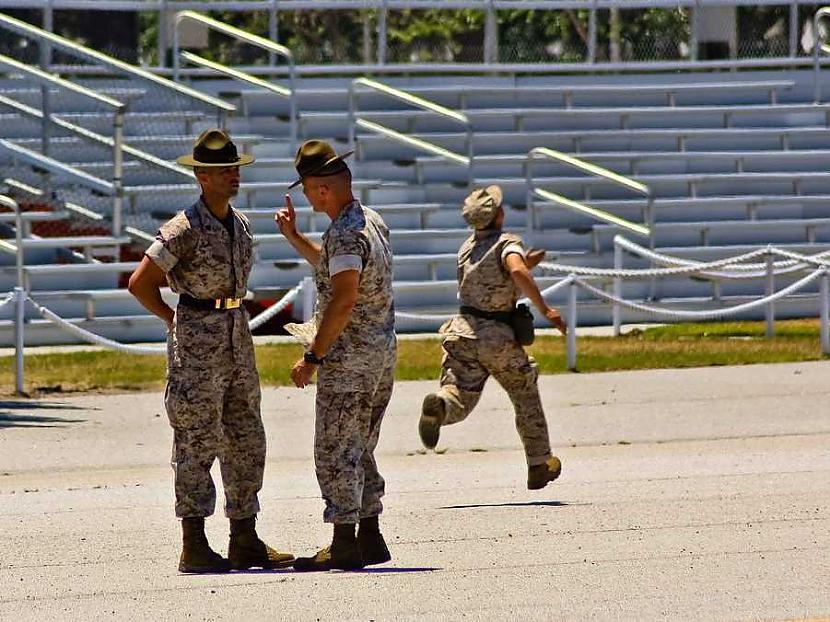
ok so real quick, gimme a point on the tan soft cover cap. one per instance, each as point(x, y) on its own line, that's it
point(481, 205)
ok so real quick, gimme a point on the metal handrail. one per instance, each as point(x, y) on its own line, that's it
point(48, 120)
point(222, 107)
point(11, 204)
point(413, 100)
point(236, 74)
point(820, 45)
point(40, 161)
point(539, 153)
point(245, 37)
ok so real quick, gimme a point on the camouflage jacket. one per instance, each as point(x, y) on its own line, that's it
point(358, 239)
point(196, 253)
point(485, 283)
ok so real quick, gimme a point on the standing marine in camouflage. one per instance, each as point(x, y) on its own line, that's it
point(213, 394)
point(353, 354)
point(493, 268)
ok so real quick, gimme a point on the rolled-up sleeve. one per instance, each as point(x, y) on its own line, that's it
point(170, 246)
point(347, 250)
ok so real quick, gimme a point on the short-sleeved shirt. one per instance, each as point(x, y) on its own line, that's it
point(358, 239)
point(202, 260)
point(485, 283)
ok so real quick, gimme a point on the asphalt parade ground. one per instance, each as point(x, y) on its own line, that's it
point(700, 494)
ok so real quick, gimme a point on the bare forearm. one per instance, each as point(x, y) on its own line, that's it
point(305, 247)
point(334, 320)
point(150, 298)
point(525, 282)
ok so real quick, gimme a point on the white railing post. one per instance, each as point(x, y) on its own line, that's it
point(309, 293)
point(615, 307)
point(770, 290)
point(824, 313)
point(383, 15)
point(572, 322)
point(19, 317)
point(118, 172)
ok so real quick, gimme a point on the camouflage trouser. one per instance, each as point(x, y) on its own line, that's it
point(215, 413)
point(346, 433)
point(467, 364)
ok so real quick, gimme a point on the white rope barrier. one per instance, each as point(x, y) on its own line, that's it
point(707, 314)
point(92, 337)
point(7, 300)
point(667, 260)
point(275, 308)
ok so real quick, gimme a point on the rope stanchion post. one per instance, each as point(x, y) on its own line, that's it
point(572, 322)
point(824, 314)
point(19, 337)
point(309, 293)
point(770, 290)
point(615, 308)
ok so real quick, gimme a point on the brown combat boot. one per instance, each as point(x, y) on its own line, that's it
point(246, 550)
point(432, 416)
point(342, 554)
point(197, 556)
point(370, 541)
point(539, 475)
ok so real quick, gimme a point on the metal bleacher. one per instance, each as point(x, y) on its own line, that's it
point(733, 160)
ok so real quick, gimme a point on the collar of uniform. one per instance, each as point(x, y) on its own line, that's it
point(210, 221)
point(481, 234)
point(344, 213)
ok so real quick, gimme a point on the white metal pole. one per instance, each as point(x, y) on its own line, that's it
point(309, 292)
point(770, 290)
point(572, 322)
point(20, 308)
point(824, 314)
point(118, 172)
point(615, 307)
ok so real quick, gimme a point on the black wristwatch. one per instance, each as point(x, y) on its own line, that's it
point(310, 357)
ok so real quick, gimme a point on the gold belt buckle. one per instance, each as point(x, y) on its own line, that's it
point(228, 303)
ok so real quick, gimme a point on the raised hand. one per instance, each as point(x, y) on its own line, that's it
point(286, 219)
point(534, 256)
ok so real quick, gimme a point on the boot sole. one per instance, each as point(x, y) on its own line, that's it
point(375, 562)
point(429, 425)
point(551, 477)
point(204, 570)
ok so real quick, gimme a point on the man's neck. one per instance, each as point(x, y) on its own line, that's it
point(343, 203)
point(218, 206)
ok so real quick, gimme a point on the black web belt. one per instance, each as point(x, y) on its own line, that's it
point(498, 316)
point(210, 304)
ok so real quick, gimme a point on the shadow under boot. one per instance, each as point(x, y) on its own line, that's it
point(246, 550)
point(370, 541)
point(197, 556)
point(343, 553)
point(540, 475)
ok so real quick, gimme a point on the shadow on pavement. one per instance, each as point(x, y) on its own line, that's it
point(515, 504)
point(10, 419)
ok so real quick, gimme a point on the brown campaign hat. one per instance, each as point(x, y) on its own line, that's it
point(317, 158)
point(213, 149)
point(481, 205)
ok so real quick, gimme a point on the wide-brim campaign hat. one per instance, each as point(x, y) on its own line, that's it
point(317, 158)
point(213, 149)
point(481, 205)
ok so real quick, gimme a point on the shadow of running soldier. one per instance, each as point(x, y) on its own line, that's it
point(483, 339)
point(213, 393)
point(351, 346)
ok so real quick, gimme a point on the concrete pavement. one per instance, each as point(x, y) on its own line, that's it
point(699, 494)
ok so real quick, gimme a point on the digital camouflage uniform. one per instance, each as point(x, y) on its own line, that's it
point(354, 384)
point(213, 393)
point(476, 348)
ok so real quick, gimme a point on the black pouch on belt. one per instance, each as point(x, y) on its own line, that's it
point(521, 319)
